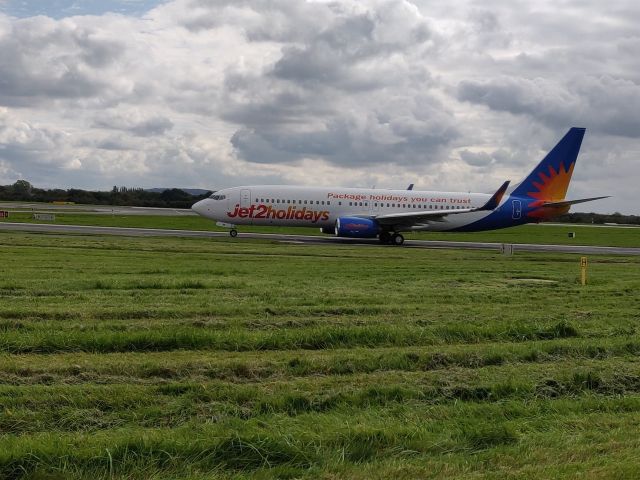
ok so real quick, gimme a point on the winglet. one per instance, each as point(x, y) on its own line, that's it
point(410, 187)
point(494, 201)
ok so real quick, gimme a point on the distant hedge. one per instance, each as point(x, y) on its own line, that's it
point(138, 197)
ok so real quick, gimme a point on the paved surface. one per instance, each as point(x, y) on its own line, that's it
point(310, 239)
point(589, 225)
point(39, 207)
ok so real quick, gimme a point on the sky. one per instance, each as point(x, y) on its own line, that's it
point(455, 95)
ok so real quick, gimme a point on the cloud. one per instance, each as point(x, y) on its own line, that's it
point(135, 122)
point(213, 93)
point(605, 104)
point(43, 59)
point(324, 97)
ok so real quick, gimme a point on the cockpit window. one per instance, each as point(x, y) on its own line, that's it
point(215, 196)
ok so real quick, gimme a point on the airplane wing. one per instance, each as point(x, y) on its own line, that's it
point(412, 218)
point(566, 203)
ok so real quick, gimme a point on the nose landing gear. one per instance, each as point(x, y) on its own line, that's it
point(233, 232)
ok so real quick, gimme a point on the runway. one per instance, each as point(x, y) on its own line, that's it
point(311, 239)
point(40, 207)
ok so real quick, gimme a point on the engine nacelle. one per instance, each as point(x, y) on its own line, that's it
point(355, 227)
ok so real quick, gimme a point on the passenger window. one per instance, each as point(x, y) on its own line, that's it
point(322, 202)
point(328, 202)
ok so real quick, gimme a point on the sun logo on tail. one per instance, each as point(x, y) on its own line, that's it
point(552, 187)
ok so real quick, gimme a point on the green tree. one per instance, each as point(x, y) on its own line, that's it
point(22, 189)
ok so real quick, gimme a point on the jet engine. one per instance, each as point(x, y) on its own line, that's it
point(355, 227)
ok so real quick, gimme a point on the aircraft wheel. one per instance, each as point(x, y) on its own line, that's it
point(397, 239)
point(233, 232)
point(385, 237)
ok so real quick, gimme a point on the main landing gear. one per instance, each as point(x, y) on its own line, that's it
point(397, 239)
point(233, 232)
point(388, 238)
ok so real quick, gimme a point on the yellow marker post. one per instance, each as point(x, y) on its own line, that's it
point(583, 270)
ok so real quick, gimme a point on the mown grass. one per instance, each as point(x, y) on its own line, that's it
point(190, 358)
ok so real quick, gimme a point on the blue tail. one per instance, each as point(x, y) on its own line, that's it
point(549, 181)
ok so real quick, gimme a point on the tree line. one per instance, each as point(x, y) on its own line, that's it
point(598, 218)
point(22, 190)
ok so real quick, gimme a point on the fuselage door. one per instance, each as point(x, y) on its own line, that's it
point(517, 209)
point(245, 198)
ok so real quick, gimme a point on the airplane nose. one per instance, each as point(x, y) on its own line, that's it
point(199, 207)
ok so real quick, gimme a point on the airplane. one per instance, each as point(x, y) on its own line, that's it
point(385, 214)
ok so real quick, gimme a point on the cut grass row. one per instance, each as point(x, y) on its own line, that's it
point(363, 444)
point(149, 367)
point(173, 338)
point(85, 406)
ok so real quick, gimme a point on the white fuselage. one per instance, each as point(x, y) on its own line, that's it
point(321, 206)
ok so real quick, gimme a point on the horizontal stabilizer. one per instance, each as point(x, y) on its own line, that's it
point(495, 200)
point(567, 203)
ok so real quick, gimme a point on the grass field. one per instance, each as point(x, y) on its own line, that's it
point(190, 358)
point(546, 234)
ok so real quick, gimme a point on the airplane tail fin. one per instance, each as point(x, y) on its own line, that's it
point(549, 181)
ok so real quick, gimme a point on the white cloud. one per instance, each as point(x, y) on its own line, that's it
point(388, 92)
